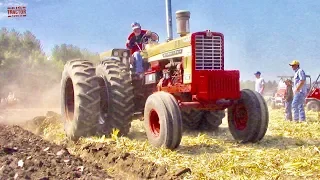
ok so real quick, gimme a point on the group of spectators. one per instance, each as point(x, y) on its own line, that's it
point(295, 93)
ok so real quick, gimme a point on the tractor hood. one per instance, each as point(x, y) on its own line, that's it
point(174, 48)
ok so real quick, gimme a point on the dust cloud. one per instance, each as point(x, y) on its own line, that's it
point(32, 94)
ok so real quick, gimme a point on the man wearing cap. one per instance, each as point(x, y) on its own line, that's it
point(134, 43)
point(300, 92)
point(259, 85)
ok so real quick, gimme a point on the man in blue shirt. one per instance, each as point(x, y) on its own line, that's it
point(299, 91)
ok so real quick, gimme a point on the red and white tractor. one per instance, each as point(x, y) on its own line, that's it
point(185, 84)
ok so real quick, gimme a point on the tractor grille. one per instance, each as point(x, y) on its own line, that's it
point(208, 53)
point(226, 86)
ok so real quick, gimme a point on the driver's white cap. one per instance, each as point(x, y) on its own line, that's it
point(135, 25)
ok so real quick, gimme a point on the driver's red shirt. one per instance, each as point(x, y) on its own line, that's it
point(132, 46)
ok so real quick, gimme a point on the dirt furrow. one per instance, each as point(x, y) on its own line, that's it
point(96, 158)
point(24, 155)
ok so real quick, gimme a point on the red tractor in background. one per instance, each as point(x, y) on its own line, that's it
point(277, 101)
point(185, 83)
point(313, 97)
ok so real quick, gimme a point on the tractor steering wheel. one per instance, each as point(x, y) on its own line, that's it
point(154, 37)
point(146, 39)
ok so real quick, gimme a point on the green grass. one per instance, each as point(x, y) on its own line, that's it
point(288, 151)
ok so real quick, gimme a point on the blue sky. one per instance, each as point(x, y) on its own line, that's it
point(260, 35)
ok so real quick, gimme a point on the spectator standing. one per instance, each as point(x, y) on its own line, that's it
point(299, 91)
point(288, 97)
point(259, 85)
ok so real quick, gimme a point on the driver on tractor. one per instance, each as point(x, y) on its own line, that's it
point(135, 43)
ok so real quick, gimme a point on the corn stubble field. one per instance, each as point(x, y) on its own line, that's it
point(288, 151)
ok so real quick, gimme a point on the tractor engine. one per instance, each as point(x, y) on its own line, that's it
point(171, 74)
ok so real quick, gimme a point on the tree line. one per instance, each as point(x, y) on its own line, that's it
point(25, 68)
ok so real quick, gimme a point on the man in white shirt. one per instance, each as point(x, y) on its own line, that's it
point(259, 86)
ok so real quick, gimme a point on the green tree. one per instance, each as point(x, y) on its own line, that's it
point(65, 52)
point(22, 59)
point(94, 57)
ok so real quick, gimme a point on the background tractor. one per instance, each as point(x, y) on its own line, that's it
point(278, 101)
point(313, 97)
point(185, 85)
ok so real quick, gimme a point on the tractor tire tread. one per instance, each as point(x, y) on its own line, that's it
point(85, 121)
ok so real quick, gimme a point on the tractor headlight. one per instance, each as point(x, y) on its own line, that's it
point(150, 78)
point(116, 53)
point(125, 54)
point(124, 60)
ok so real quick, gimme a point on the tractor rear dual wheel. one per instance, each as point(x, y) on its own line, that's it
point(95, 100)
point(202, 120)
point(248, 119)
point(80, 100)
point(191, 119)
point(117, 106)
point(212, 120)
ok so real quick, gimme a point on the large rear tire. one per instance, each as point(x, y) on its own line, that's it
point(163, 121)
point(191, 119)
point(80, 99)
point(117, 105)
point(212, 120)
point(247, 118)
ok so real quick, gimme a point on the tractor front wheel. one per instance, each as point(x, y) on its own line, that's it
point(264, 118)
point(163, 121)
point(248, 118)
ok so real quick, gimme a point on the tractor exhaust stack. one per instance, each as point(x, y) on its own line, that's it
point(182, 19)
point(169, 20)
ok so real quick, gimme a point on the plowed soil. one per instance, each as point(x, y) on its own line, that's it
point(24, 155)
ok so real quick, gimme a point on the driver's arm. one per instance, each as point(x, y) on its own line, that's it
point(129, 44)
point(130, 41)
